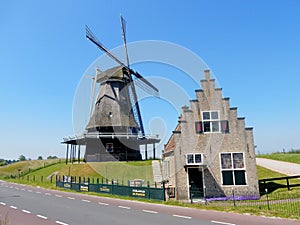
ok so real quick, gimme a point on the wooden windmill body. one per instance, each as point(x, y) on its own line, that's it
point(115, 129)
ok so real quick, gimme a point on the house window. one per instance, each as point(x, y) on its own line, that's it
point(233, 169)
point(194, 159)
point(110, 147)
point(211, 123)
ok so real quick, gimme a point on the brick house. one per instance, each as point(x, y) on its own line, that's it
point(211, 152)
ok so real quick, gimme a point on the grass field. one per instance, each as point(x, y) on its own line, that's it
point(124, 171)
point(287, 157)
point(25, 167)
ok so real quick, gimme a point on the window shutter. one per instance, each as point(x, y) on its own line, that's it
point(198, 126)
point(224, 126)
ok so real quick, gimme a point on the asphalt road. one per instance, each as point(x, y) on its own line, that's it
point(32, 205)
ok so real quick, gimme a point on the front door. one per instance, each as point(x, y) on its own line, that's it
point(195, 183)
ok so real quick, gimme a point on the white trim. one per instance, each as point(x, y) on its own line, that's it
point(233, 169)
point(210, 121)
point(194, 163)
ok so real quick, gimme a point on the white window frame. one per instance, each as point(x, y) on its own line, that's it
point(233, 169)
point(210, 120)
point(194, 157)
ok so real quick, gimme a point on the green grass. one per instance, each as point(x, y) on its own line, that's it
point(287, 157)
point(25, 167)
point(124, 171)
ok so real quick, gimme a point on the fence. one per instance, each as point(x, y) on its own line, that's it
point(266, 183)
point(281, 203)
point(132, 189)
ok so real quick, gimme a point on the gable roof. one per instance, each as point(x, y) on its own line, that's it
point(171, 144)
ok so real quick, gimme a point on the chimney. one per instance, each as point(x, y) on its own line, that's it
point(207, 74)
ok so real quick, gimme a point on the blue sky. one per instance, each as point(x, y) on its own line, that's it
point(252, 47)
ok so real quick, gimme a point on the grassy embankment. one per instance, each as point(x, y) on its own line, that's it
point(39, 173)
point(286, 157)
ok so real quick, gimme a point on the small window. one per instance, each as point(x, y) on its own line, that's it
point(227, 178)
point(214, 115)
point(198, 158)
point(110, 147)
point(226, 161)
point(194, 159)
point(190, 159)
point(206, 115)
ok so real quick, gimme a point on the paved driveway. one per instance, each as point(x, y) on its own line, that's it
point(290, 169)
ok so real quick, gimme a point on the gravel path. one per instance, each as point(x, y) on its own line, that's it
point(290, 169)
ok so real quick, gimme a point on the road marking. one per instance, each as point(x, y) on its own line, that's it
point(219, 222)
point(184, 217)
point(38, 192)
point(62, 223)
point(42, 217)
point(124, 207)
point(149, 211)
point(26, 211)
point(22, 189)
point(59, 196)
point(13, 207)
point(48, 194)
point(85, 200)
point(2, 203)
point(71, 198)
point(17, 188)
point(29, 190)
point(102, 203)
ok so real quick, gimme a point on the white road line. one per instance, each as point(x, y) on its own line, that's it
point(13, 207)
point(219, 222)
point(59, 196)
point(29, 190)
point(42, 217)
point(26, 211)
point(17, 188)
point(62, 223)
point(22, 189)
point(102, 203)
point(149, 211)
point(38, 192)
point(48, 194)
point(71, 198)
point(2, 203)
point(85, 200)
point(124, 207)
point(184, 217)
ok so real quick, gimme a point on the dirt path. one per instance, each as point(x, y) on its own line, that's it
point(290, 169)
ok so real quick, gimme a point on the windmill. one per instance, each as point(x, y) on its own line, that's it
point(115, 130)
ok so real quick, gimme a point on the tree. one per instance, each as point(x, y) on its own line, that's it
point(40, 158)
point(22, 158)
point(52, 157)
